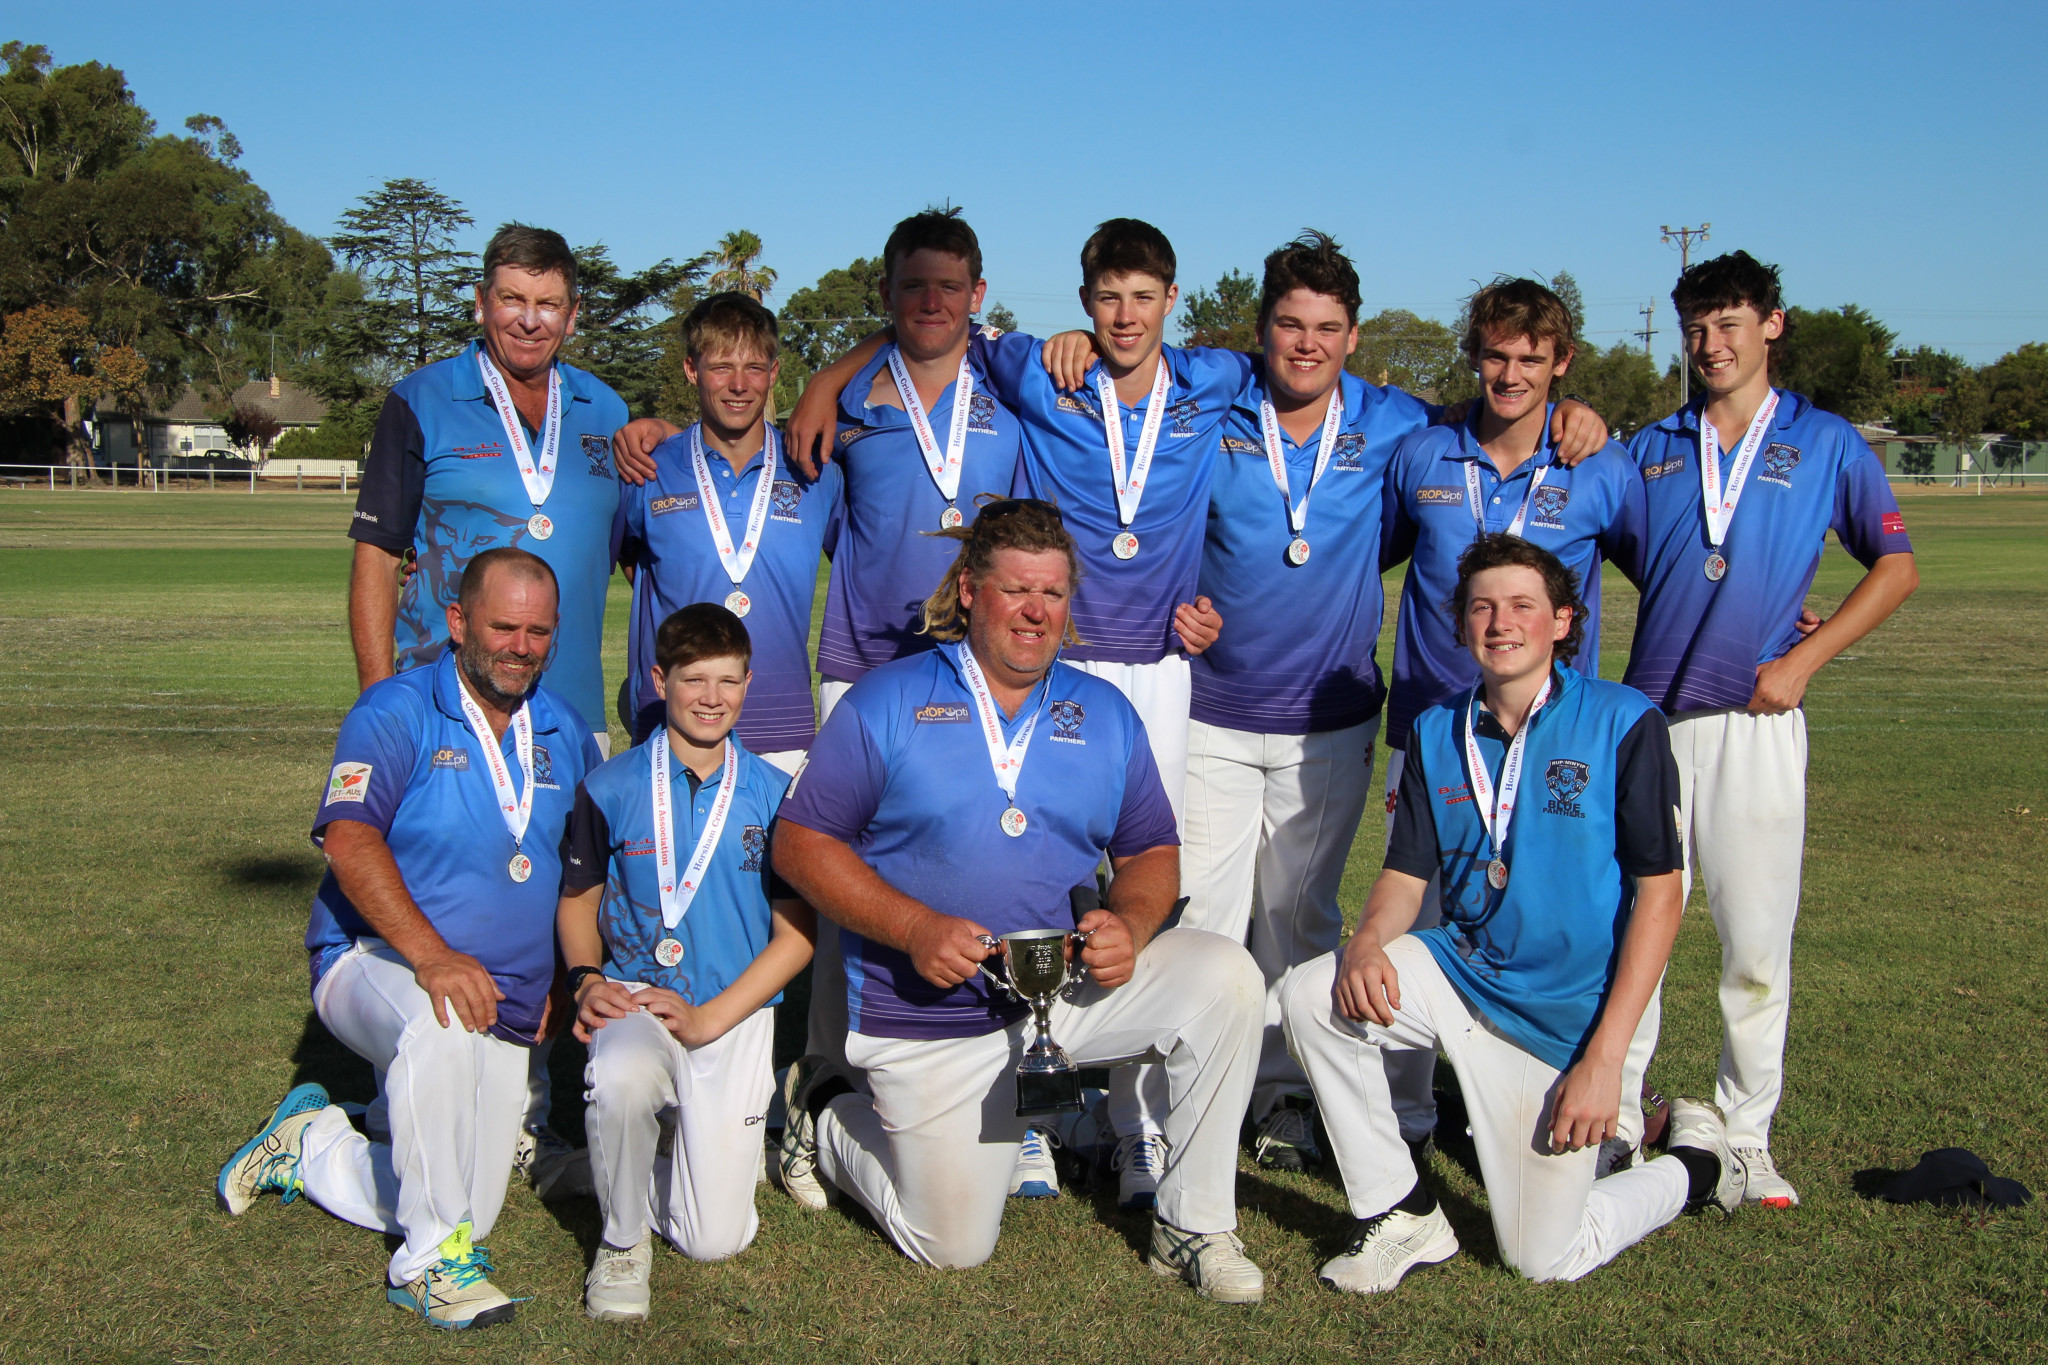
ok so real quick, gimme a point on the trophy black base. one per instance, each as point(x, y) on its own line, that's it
point(1048, 1092)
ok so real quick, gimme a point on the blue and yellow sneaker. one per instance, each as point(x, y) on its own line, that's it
point(269, 1162)
point(456, 1292)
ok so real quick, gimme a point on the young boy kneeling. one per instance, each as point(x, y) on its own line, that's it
point(1547, 803)
point(667, 883)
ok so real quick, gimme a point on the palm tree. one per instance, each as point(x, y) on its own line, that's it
point(734, 257)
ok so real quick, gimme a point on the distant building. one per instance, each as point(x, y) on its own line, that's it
point(188, 428)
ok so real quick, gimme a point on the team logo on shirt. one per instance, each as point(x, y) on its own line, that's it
point(1894, 524)
point(1566, 778)
point(1350, 453)
point(489, 450)
point(852, 434)
point(1455, 795)
point(1547, 508)
point(675, 502)
point(1426, 497)
point(348, 782)
point(455, 760)
point(1779, 462)
point(941, 713)
point(1066, 721)
point(1671, 466)
point(981, 414)
point(1183, 414)
point(1238, 445)
point(754, 840)
point(544, 768)
point(1083, 403)
point(783, 502)
point(599, 454)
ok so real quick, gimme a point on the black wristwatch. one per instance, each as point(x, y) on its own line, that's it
point(576, 975)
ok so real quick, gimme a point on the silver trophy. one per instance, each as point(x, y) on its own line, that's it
point(1035, 971)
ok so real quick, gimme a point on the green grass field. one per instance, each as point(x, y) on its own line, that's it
point(173, 672)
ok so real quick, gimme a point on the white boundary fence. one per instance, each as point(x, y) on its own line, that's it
point(56, 477)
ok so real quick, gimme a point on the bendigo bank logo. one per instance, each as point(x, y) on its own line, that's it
point(1066, 721)
point(1566, 778)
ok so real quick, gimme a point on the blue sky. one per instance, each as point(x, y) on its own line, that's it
point(1884, 154)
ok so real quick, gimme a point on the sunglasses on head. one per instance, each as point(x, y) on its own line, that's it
point(1003, 507)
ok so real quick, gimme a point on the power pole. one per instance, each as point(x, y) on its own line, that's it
point(1648, 331)
point(1683, 238)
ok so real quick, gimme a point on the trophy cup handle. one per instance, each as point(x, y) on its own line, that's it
point(1077, 970)
point(994, 945)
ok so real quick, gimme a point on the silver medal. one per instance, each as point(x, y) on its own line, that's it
point(1717, 567)
point(950, 518)
point(1297, 552)
point(1497, 874)
point(1125, 546)
point(539, 526)
point(738, 603)
point(668, 952)
point(1014, 822)
point(521, 867)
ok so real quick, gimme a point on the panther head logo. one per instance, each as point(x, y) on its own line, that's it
point(1566, 778)
point(1066, 719)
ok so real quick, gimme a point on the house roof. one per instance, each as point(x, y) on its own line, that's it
point(294, 405)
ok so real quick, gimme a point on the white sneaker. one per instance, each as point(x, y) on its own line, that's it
point(554, 1168)
point(455, 1293)
point(1763, 1184)
point(796, 1164)
point(1286, 1139)
point(1213, 1262)
point(615, 1290)
point(1616, 1154)
point(269, 1162)
point(1037, 1175)
point(1700, 1126)
point(1387, 1247)
point(1139, 1161)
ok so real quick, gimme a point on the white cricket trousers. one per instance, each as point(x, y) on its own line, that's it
point(1414, 1074)
point(930, 1154)
point(1742, 816)
point(454, 1104)
point(1267, 829)
point(1552, 1221)
point(700, 1194)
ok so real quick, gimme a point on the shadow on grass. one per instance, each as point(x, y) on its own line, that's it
point(1871, 1181)
point(300, 874)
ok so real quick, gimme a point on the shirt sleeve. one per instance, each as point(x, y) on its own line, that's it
point(1867, 519)
point(1646, 800)
point(841, 785)
point(394, 479)
point(1004, 360)
point(373, 761)
point(1413, 848)
point(586, 845)
point(1145, 819)
point(1397, 524)
point(1624, 540)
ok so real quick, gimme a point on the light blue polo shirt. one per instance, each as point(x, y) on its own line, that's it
point(1123, 608)
point(886, 563)
point(1296, 652)
point(1598, 808)
point(1699, 643)
point(611, 844)
point(1584, 514)
point(662, 529)
point(440, 480)
point(901, 773)
point(406, 764)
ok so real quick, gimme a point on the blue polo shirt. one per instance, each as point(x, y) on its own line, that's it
point(1598, 808)
point(887, 562)
point(611, 844)
point(441, 481)
point(406, 764)
point(1699, 643)
point(1581, 515)
point(1296, 652)
point(662, 530)
point(901, 773)
point(1123, 608)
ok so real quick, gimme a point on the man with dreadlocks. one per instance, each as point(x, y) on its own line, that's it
point(962, 793)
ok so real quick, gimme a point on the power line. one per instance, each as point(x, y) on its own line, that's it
point(1648, 331)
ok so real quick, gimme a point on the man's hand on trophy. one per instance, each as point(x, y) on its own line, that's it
point(1112, 952)
point(945, 949)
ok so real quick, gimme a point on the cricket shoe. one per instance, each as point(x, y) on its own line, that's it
point(455, 1293)
point(1387, 1247)
point(1764, 1185)
point(1286, 1139)
point(616, 1289)
point(796, 1163)
point(554, 1168)
point(1616, 1155)
point(1214, 1263)
point(269, 1162)
point(1701, 1127)
point(1139, 1161)
point(1037, 1175)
